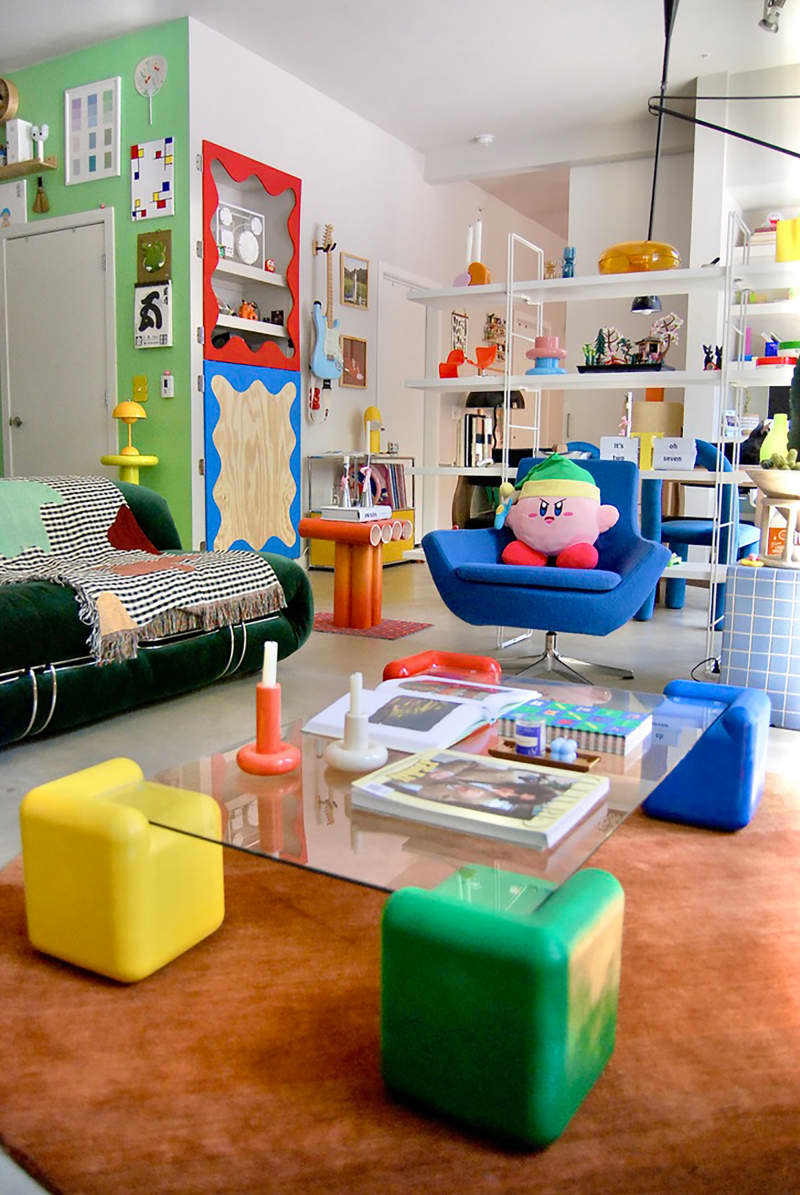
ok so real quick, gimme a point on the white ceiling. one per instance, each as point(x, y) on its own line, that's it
point(436, 72)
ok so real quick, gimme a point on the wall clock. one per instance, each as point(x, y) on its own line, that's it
point(150, 76)
point(9, 100)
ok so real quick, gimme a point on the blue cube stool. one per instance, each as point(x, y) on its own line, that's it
point(718, 783)
point(499, 997)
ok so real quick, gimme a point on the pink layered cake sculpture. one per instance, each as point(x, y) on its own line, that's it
point(547, 355)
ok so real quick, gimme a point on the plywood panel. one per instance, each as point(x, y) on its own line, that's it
point(255, 441)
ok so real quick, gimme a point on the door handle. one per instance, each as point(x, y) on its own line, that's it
point(15, 421)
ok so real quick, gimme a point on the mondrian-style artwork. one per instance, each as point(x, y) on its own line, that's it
point(92, 131)
point(153, 179)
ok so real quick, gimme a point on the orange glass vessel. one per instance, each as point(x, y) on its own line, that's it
point(631, 256)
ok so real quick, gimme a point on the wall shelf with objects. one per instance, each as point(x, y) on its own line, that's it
point(726, 386)
point(32, 166)
point(251, 258)
point(323, 473)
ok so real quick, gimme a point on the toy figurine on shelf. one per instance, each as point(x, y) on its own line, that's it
point(568, 262)
point(248, 310)
point(344, 484)
point(712, 356)
point(550, 269)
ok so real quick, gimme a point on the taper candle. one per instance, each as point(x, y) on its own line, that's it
point(478, 246)
point(269, 670)
point(356, 682)
point(469, 246)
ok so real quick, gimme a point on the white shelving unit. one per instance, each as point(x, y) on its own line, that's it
point(727, 386)
point(255, 327)
point(267, 277)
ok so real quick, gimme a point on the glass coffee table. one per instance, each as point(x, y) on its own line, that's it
point(500, 963)
point(306, 818)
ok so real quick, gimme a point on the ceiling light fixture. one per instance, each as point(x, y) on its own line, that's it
point(483, 138)
point(772, 14)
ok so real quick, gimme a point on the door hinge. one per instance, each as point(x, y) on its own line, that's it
point(200, 386)
point(201, 467)
point(198, 162)
point(105, 399)
point(104, 262)
point(201, 336)
point(199, 249)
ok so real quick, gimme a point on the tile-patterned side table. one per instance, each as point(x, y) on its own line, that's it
point(761, 637)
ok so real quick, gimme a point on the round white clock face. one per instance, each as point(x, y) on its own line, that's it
point(247, 245)
point(225, 216)
point(255, 225)
point(150, 74)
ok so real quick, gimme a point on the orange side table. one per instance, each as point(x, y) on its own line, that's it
point(357, 566)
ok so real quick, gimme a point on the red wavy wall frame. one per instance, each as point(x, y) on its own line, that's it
point(274, 182)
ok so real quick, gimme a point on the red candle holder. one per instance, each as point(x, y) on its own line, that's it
point(269, 755)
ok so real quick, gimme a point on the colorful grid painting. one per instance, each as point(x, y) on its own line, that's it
point(761, 639)
point(152, 179)
point(91, 134)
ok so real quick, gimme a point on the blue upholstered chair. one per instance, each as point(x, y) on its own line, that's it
point(477, 587)
point(682, 533)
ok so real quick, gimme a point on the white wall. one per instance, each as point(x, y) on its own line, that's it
point(368, 184)
point(610, 203)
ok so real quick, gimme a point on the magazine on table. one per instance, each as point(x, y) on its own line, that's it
point(414, 712)
point(527, 803)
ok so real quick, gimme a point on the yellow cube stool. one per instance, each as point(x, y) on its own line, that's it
point(106, 890)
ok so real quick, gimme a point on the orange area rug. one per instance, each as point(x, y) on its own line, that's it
point(251, 1064)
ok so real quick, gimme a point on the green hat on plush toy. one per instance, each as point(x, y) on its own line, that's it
point(560, 477)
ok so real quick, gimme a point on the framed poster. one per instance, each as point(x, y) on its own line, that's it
point(14, 203)
point(354, 358)
point(458, 330)
point(153, 179)
point(152, 316)
point(353, 280)
point(91, 131)
point(154, 256)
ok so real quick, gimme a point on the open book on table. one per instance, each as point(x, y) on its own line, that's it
point(414, 712)
point(526, 803)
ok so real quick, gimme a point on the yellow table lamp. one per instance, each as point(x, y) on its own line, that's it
point(129, 459)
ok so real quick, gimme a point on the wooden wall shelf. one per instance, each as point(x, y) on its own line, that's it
point(32, 166)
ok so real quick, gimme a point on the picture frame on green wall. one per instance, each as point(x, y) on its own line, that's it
point(92, 131)
point(152, 316)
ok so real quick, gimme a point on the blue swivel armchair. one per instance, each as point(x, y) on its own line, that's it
point(478, 588)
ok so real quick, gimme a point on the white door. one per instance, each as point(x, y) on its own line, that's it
point(56, 398)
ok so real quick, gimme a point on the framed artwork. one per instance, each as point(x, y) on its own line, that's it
point(14, 203)
point(458, 326)
point(354, 358)
point(153, 179)
point(154, 256)
point(494, 332)
point(152, 316)
point(92, 131)
point(353, 280)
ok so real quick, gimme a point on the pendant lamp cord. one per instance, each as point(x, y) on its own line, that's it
point(670, 10)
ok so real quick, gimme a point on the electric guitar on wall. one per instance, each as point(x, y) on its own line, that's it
point(326, 357)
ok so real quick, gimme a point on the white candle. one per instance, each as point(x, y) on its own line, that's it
point(469, 246)
point(478, 239)
point(269, 671)
point(356, 683)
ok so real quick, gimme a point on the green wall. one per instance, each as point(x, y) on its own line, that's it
point(166, 431)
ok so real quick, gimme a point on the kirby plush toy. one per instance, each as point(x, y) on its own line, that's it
point(557, 513)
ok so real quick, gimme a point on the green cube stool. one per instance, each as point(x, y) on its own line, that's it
point(499, 997)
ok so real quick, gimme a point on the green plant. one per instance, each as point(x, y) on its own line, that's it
point(794, 408)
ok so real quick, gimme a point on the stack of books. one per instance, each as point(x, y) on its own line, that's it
point(594, 727)
point(356, 514)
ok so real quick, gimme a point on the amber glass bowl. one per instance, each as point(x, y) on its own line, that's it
point(632, 256)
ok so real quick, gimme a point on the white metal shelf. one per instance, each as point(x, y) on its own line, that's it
point(252, 273)
point(256, 326)
point(690, 476)
point(637, 380)
point(760, 375)
point(592, 286)
point(764, 274)
point(774, 307)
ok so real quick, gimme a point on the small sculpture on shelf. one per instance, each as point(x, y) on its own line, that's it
point(712, 356)
point(612, 350)
point(248, 310)
point(547, 355)
point(485, 356)
point(568, 262)
point(550, 269)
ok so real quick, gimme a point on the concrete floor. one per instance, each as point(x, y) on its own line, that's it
point(173, 732)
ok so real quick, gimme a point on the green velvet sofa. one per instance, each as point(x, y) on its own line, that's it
point(48, 683)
